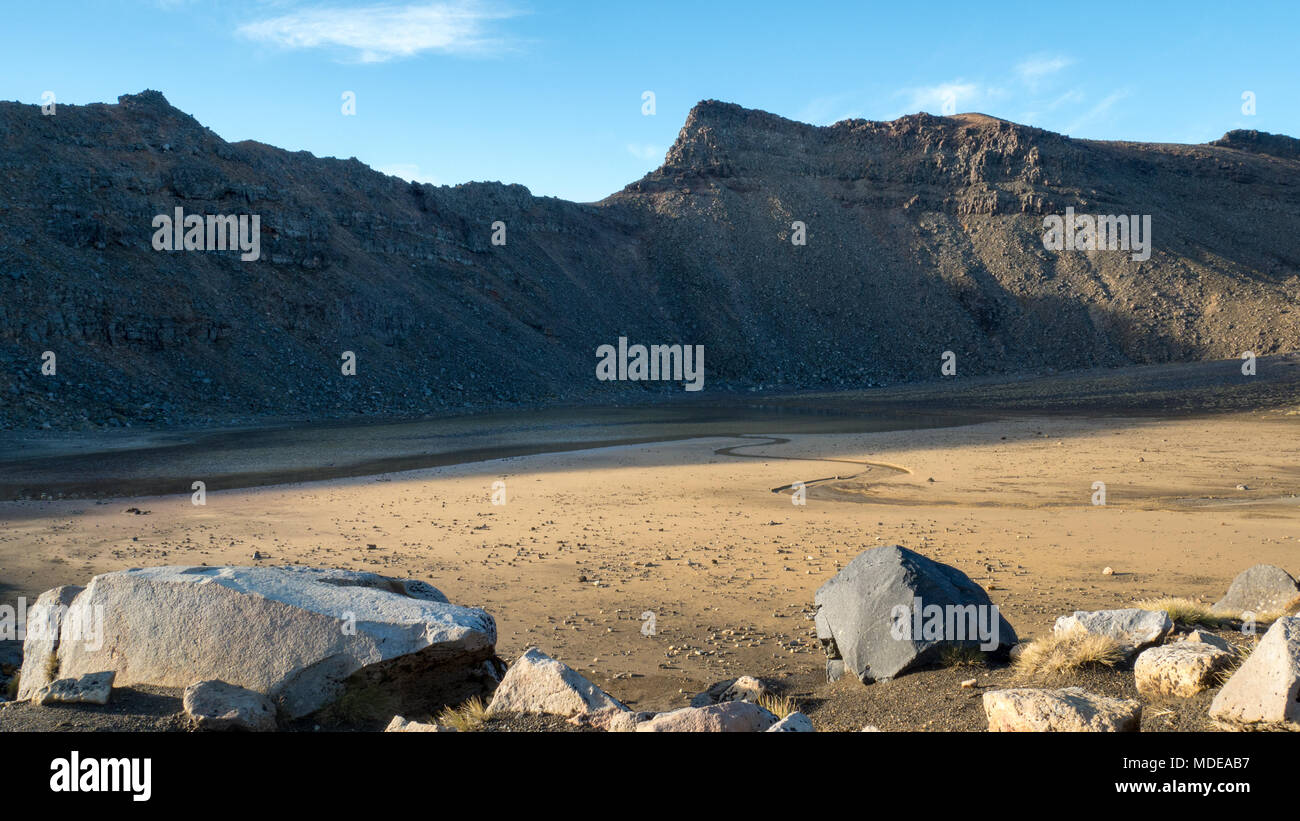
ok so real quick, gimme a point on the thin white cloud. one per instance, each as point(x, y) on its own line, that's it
point(409, 172)
point(375, 34)
point(1033, 70)
point(954, 97)
point(645, 151)
point(1096, 113)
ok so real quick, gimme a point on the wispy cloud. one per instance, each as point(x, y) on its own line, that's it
point(954, 97)
point(1096, 113)
point(375, 34)
point(1034, 70)
point(645, 151)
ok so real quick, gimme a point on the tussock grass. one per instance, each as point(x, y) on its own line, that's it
point(11, 688)
point(1058, 653)
point(961, 655)
point(779, 706)
point(1187, 612)
point(467, 718)
point(1238, 658)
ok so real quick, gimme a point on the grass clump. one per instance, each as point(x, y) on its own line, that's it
point(961, 655)
point(1059, 653)
point(779, 706)
point(467, 718)
point(1187, 612)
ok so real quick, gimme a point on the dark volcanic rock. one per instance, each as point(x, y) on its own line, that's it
point(865, 613)
point(923, 235)
point(1260, 589)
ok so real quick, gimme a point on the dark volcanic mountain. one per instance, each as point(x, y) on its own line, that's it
point(923, 235)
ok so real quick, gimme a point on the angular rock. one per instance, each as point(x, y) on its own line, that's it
point(92, 688)
point(1206, 637)
point(1132, 628)
point(611, 719)
point(730, 717)
point(1180, 669)
point(537, 683)
point(834, 670)
point(40, 648)
point(401, 725)
point(1070, 710)
point(1264, 693)
point(796, 722)
point(302, 636)
point(216, 705)
point(868, 610)
point(1260, 589)
point(744, 688)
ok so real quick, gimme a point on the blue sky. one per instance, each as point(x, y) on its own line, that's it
point(549, 93)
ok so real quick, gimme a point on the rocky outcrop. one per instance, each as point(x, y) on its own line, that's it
point(301, 636)
point(891, 610)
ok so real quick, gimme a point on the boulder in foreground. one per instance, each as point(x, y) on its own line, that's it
point(891, 610)
point(1264, 693)
point(728, 717)
point(92, 688)
point(1181, 669)
point(1261, 589)
point(216, 705)
point(537, 683)
point(796, 722)
point(302, 636)
point(1071, 710)
point(1131, 628)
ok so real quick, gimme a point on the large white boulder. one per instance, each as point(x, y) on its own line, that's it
point(1264, 693)
point(299, 635)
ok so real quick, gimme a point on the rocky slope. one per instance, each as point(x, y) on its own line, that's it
point(923, 235)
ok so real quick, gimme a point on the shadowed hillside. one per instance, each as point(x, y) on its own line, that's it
point(923, 235)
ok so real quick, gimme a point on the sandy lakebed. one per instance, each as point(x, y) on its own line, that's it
point(685, 512)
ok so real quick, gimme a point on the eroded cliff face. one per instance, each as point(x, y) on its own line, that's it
point(923, 235)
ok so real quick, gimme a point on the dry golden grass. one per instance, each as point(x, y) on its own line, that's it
point(466, 718)
point(1187, 612)
point(1058, 653)
point(779, 706)
point(961, 655)
point(11, 688)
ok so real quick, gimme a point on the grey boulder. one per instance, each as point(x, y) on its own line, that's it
point(865, 614)
point(1259, 589)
